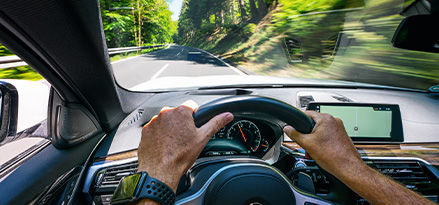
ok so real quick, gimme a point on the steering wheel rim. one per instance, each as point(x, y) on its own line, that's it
point(273, 110)
point(280, 112)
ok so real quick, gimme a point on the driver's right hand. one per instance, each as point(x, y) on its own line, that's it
point(328, 144)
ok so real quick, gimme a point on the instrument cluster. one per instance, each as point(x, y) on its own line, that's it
point(241, 137)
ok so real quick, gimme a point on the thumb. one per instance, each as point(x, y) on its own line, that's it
point(215, 124)
point(292, 133)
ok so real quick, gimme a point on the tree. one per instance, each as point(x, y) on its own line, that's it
point(262, 9)
point(137, 22)
point(244, 15)
point(253, 10)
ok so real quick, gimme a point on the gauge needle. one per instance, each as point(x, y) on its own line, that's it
point(243, 136)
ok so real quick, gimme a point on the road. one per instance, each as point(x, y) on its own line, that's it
point(173, 61)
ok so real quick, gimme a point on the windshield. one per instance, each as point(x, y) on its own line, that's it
point(183, 44)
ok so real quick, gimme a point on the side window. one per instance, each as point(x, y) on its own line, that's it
point(33, 95)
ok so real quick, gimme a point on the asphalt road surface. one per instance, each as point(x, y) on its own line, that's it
point(173, 61)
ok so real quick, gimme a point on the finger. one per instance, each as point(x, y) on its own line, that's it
point(165, 108)
point(339, 122)
point(190, 104)
point(313, 115)
point(291, 132)
point(294, 135)
point(215, 124)
point(152, 119)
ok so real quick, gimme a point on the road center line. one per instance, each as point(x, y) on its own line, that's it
point(159, 72)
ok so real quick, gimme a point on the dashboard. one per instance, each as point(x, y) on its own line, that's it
point(412, 160)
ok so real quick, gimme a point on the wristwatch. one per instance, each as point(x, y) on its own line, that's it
point(139, 186)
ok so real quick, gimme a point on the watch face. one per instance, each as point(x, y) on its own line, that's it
point(126, 190)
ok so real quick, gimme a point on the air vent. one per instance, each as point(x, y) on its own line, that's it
point(342, 99)
point(106, 180)
point(408, 172)
point(136, 117)
point(304, 100)
point(405, 171)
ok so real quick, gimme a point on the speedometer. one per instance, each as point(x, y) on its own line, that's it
point(245, 132)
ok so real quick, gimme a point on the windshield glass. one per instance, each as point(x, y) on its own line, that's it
point(187, 44)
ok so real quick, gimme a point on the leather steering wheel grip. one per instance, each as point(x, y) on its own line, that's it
point(275, 110)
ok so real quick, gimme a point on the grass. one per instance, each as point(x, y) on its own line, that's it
point(21, 72)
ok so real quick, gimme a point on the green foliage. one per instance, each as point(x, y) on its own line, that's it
point(4, 51)
point(137, 22)
point(22, 72)
point(200, 19)
point(319, 26)
point(249, 29)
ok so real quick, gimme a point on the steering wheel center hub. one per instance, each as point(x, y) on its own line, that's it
point(249, 184)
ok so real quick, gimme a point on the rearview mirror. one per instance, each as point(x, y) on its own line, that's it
point(419, 33)
point(9, 112)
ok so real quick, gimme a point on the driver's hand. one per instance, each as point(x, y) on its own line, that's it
point(328, 144)
point(171, 143)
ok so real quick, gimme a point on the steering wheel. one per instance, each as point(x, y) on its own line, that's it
point(278, 111)
point(246, 180)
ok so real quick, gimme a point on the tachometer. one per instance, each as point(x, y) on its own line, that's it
point(245, 132)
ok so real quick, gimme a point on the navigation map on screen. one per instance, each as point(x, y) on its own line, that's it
point(360, 121)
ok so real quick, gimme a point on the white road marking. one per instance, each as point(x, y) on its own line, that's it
point(180, 52)
point(159, 72)
point(231, 67)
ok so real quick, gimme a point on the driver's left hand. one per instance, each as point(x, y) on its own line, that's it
point(171, 143)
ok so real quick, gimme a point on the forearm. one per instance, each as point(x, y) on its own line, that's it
point(170, 178)
point(377, 188)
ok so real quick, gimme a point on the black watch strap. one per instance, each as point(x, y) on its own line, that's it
point(158, 191)
point(138, 186)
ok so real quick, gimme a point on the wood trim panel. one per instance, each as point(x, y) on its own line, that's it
point(118, 156)
point(428, 152)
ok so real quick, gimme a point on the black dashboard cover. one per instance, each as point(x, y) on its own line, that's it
point(272, 110)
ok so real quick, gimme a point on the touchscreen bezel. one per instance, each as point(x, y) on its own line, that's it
point(396, 134)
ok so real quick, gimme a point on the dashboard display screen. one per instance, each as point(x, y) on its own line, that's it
point(365, 122)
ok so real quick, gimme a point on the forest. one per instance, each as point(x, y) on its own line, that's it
point(200, 18)
point(327, 39)
point(137, 22)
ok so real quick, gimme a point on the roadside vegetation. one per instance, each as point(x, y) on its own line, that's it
point(137, 22)
point(126, 23)
point(21, 72)
point(301, 38)
point(326, 39)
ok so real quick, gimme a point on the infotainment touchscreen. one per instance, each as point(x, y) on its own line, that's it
point(366, 122)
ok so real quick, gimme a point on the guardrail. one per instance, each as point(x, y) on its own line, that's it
point(15, 61)
point(113, 51)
